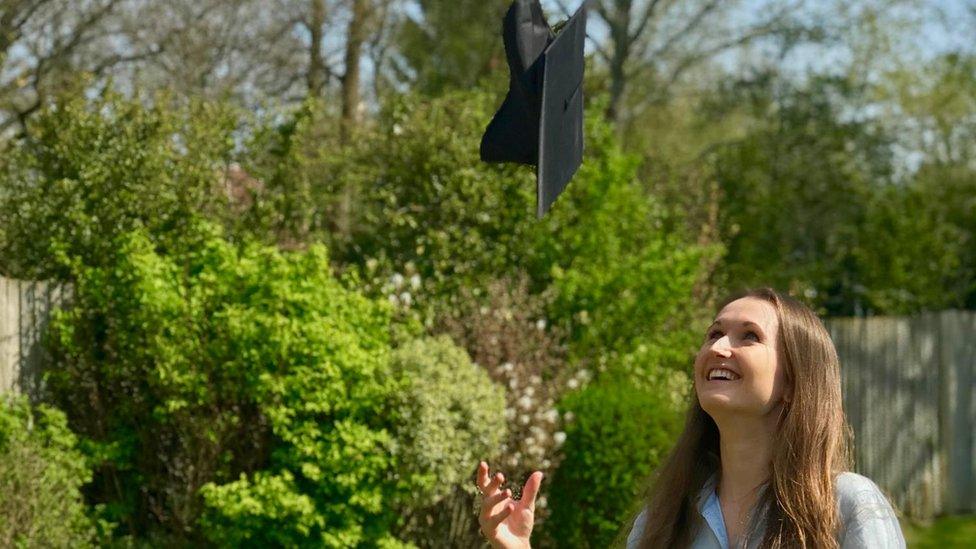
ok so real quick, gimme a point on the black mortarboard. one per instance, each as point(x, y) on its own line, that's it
point(541, 121)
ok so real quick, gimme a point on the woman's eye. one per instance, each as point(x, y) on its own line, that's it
point(753, 334)
point(714, 334)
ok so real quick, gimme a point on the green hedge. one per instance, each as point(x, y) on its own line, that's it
point(618, 434)
point(41, 476)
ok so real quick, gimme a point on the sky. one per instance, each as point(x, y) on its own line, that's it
point(943, 25)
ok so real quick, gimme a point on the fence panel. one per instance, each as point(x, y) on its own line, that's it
point(25, 309)
point(908, 388)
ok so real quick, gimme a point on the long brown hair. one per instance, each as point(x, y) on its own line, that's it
point(797, 508)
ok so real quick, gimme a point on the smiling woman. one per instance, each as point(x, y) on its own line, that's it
point(764, 458)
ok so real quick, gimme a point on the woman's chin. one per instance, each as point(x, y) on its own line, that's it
point(717, 399)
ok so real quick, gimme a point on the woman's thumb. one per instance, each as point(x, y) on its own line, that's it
point(530, 491)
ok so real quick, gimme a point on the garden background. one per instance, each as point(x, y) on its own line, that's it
point(298, 309)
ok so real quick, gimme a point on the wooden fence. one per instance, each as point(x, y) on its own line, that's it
point(25, 308)
point(909, 393)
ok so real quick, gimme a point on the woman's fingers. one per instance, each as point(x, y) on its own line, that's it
point(493, 521)
point(530, 491)
point(488, 488)
point(491, 505)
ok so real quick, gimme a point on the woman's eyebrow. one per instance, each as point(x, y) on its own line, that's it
point(744, 323)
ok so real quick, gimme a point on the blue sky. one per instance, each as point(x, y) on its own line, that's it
point(945, 25)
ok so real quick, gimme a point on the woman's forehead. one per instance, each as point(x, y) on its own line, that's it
point(749, 309)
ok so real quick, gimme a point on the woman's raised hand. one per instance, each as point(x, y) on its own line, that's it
point(505, 522)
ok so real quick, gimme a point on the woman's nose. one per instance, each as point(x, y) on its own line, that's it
point(722, 346)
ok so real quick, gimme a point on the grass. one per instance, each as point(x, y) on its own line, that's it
point(959, 531)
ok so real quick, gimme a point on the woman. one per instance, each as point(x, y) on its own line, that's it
point(764, 457)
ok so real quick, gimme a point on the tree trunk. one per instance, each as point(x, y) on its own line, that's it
point(355, 36)
point(316, 66)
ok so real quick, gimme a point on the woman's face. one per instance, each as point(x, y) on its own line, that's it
point(743, 341)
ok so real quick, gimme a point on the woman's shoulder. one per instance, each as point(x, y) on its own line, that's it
point(867, 516)
point(854, 490)
point(633, 539)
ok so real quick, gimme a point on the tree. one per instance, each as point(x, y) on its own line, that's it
point(43, 42)
point(659, 41)
point(450, 45)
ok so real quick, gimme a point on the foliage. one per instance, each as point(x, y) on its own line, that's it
point(429, 203)
point(618, 434)
point(505, 329)
point(450, 46)
point(193, 368)
point(41, 476)
point(451, 416)
point(89, 170)
point(781, 221)
point(947, 195)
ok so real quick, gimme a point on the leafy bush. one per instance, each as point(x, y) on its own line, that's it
point(618, 434)
point(451, 416)
point(41, 475)
point(89, 170)
point(215, 361)
point(425, 204)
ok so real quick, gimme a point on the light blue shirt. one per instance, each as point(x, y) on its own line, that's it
point(867, 519)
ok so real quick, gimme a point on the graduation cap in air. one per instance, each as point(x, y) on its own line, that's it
point(540, 123)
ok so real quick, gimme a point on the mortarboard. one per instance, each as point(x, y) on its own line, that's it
point(540, 123)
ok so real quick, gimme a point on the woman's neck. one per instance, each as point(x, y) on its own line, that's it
point(746, 449)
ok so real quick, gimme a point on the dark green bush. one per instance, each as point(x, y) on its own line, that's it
point(41, 476)
point(89, 170)
point(618, 434)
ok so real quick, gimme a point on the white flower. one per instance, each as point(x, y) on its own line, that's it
point(540, 324)
point(513, 383)
point(526, 402)
point(508, 366)
point(509, 414)
point(394, 300)
point(524, 420)
point(559, 438)
point(530, 391)
point(546, 464)
point(572, 383)
point(415, 282)
point(483, 310)
point(552, 416)
point(406, 298)
point(535, 380)
point(541, 502)
point(568, 417)
point(585, 375)
point(372, 263)
point(397, 129)
point(397, 280)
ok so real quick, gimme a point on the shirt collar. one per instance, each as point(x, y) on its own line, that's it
point(711, 511)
